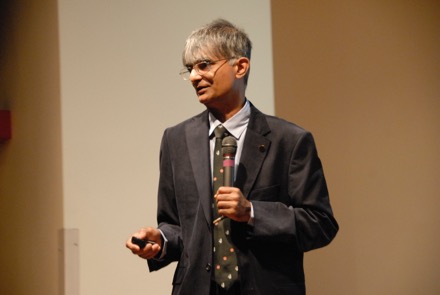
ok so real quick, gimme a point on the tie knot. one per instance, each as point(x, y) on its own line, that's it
point(220, 131)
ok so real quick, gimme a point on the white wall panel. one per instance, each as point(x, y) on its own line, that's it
point(120, 89)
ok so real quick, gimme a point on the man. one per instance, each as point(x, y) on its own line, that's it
point(278, 207)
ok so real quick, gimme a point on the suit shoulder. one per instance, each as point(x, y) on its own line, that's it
point(281, 125)
point(264, 124)
point(197, 119)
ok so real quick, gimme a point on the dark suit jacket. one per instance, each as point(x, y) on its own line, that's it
point(279, 172)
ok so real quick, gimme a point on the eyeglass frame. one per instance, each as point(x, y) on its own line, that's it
point(185, 73)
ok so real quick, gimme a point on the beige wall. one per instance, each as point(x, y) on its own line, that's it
point(30, 163)
point(120, 89)
point(363, 76)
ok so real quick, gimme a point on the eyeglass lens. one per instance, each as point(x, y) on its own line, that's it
point(201, 68)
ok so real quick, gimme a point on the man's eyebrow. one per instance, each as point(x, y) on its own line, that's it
point(199, 60)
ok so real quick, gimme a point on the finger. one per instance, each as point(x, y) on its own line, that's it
point(150, 251)
point(227, 197)
point(226, 189)
point(227, 210)
point(149, 234)
point(133, 247)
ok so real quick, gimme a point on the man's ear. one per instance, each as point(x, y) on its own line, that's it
point(243, 65)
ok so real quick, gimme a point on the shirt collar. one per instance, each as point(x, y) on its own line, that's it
point(235, 125)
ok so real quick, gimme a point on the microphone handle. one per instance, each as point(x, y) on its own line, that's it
point(228, 176)
point(228, 170)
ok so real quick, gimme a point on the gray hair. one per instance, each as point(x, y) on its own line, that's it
point(219, 38)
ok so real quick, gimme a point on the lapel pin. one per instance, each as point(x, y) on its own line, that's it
point(262, 148)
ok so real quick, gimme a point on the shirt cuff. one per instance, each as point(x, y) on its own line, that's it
point(251, 220)
point(164, 247)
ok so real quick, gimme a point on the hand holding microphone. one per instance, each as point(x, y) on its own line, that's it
point(229, 149)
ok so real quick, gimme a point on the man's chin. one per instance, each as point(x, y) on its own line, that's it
point(203, 99)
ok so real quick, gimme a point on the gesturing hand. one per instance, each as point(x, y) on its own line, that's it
point(152, 247)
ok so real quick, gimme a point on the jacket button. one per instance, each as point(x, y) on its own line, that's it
point(262, 148)
point(208, 267)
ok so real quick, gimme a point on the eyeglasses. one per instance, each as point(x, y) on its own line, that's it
point(202, 68)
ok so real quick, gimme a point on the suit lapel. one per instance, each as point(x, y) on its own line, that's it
point(255, 148)
point(197, 139)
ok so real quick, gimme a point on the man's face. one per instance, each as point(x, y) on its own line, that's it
point(214, 80)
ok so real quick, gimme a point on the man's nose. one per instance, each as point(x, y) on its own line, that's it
point(194, 75)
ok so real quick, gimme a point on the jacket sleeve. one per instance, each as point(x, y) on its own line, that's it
point(306, 218)
point(167, 213)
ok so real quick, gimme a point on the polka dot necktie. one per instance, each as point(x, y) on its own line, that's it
point(224, 255)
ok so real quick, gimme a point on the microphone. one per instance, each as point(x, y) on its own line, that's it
point(229, 149)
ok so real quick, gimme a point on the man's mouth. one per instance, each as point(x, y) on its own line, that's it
point(200, 89)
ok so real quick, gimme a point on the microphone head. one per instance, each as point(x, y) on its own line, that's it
point(229, 146)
